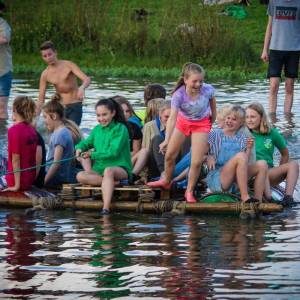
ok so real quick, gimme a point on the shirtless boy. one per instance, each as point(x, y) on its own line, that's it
point(63, 75)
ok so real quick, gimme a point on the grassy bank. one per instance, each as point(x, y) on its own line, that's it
point(139, 38)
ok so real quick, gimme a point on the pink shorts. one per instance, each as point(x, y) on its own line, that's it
point(187, 127)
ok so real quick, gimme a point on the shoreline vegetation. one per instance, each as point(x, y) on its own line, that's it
point(134, 38)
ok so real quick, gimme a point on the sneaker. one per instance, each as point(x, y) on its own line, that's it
point(105, 212)
point(288, 201)
point(189, 197)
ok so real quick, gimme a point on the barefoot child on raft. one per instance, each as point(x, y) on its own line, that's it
point(192, 114)
point(111, 160)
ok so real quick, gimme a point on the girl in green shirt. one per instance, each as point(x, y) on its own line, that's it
point(105, 153)
point(266, 140)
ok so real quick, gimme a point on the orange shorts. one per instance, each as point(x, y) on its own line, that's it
point(187, 127)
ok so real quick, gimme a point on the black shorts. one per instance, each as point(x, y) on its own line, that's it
point(287, 59)
point(73, 111)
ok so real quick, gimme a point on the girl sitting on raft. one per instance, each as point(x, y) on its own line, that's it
point(153, 135)
point(135, 132)
point(111, 160)
point(22, 147)
point(61, 146)
point(267, 139)
point(192, 114)
point(228, 159)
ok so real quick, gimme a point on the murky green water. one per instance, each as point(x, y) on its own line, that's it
point(80, 255)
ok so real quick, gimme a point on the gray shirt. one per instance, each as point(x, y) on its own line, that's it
point(5, 49)
point(285, 25)
point(66, 172)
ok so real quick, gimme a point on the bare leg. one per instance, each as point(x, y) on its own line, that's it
point(91, 178)
point(289, 94)
point(199, 148)
point(3, 107)
point(108, 183)
point(173, 149)
point(260, 170)
point(236, 169)
point(274, 86)
point(86, 163)
point(141, 161)
point(288, 171)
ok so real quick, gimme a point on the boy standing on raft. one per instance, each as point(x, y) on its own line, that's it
point(63, 75)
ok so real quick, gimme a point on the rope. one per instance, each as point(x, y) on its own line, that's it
point(248, 210)
point(38, 166)
point(169, 205)
point(144, 196)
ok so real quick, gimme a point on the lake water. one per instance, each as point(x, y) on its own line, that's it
point(80, 255)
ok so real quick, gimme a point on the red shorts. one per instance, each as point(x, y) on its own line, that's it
point(187, 127)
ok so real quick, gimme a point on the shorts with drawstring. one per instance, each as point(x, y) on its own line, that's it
point(5, 84)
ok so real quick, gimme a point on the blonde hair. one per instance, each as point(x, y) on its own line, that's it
point(163, 106)
point(187, 69)
point(223, 112)
point(25, 107)
point(240, 112)
point(152, 109)
point(265, 125)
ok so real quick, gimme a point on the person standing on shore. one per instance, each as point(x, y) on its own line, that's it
point(6, 66)
point(282, 49)
point(63, 75)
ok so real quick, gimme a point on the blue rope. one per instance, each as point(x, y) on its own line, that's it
point(38, 166)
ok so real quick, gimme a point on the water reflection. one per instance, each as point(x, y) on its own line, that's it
point(78, 255)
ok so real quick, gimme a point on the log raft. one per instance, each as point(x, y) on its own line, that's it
point(144, 203)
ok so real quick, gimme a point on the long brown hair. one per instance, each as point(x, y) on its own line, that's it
point(122, 100)
point(187, 69)
point(265, 125)
point(25, 107)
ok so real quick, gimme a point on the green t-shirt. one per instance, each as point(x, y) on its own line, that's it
point(266, 143)
point(111, 147)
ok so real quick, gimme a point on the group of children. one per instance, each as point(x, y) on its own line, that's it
point(175, 141)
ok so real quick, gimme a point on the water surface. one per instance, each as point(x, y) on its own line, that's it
point(80, 255)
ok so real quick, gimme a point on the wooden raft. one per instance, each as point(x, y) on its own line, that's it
point(136, 192)
point(93, 202)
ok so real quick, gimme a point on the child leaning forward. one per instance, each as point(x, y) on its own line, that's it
point(110, 161)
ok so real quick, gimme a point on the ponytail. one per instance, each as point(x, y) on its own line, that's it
point(113, 106)
point(25, 107)
point(187, 69)
point(55, 107)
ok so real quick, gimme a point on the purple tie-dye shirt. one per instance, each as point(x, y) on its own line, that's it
point(193, 109)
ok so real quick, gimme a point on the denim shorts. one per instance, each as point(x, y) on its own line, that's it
point(213, 181)
point(5, 84)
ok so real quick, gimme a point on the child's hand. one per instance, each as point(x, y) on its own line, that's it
point(250, 142)
point(78, 153)
point(210, 162)
point(85, 155)
point(163, 147)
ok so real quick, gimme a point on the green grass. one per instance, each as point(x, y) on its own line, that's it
point(104, 37)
